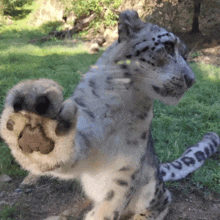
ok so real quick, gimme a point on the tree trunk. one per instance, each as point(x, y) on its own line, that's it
point(195, 24)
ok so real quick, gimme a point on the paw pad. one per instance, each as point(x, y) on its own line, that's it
point(10, 125)
point(18, 104)
point(42, 104)
point(34, 139)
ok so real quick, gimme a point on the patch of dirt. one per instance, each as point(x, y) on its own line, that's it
point(47, 197)
point(194, 205)
point(203, 48)
point(52, 197)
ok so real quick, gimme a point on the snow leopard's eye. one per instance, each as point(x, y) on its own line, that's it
point(169, 47)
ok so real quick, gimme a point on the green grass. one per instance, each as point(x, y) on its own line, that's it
point(62, 61)
point(8, 212)
point(174, 127)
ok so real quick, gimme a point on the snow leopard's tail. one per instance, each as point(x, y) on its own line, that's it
point(192, 159)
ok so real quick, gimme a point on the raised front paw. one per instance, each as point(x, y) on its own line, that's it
point(35, 121)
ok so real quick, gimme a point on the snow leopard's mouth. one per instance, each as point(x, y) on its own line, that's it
point(167, 91)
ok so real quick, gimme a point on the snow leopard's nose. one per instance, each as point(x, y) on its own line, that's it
point(189, 81)
point(188, 76)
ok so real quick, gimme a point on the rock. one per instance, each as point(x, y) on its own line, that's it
point(3, 203)
point(100, 40)
point(17, 192)
point(94, 48)
point(110, 36)
point(27, 191)
point(30, 179)
point(52, 218)
point(65, 215)
point(5, 178)
point(2, 194)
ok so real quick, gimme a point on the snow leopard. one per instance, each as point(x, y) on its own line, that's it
point(102, 133)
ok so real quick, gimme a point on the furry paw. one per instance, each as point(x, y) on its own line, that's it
point(35, 121)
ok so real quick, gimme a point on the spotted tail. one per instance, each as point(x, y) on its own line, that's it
point(192, 159)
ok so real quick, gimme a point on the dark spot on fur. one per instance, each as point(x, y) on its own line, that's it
point(92, 84)
point(143, 60)
point(207, 151)
point(166, 201)
point(125, 168)
point(199, 156)
point(89, 113)
point(145, 49)
point(177, 165)
point(109, 79)
point(80, 102)
point(212, 148)
point(156, 89)
point(160, 194)
point(153, 39)
point(163, 173)
point(122, 182)
point(144, 135)
point(110, 195)
point(152, 201)
point(133, 176)
point(142, 116)
point(137, 53)
point(153, 48)
point(188, 161)
point(129, 56)
point(156, 43)
point(173, 175)
point(84, 138)
point(127, 74)
point(116, 215)
point(134, 142)
point(123, 66)
point(95, 93)
point(63, 127)
point(188, 151)
point(167, 166)
point(215, 143)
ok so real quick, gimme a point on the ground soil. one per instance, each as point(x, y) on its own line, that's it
point(51, 197)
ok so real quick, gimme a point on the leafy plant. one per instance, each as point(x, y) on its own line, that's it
point(105, 9)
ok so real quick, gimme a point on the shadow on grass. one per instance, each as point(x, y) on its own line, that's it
point(12, 36)
point(51, 26)
point(18, 14)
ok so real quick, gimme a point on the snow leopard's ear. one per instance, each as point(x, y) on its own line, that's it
point(129, 24)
